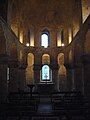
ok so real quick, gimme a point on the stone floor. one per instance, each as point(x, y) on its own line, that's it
point(45, 105)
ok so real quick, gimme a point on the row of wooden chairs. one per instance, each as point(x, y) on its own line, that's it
point(20, 104)
point(70, 103)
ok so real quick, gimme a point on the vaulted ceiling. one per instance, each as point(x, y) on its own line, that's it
point(42, 12)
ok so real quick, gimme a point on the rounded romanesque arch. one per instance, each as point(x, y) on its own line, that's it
point(61, 73)
point(46, 59)
point(29, 69)
point(60, 58)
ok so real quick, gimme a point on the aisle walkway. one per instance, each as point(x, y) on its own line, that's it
point(45, 105)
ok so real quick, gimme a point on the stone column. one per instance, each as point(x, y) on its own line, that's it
point(37, 69)
point(78, 77)
point(22, 77)
point(37, 66)
point(86, 75)
point(70, 77)
point(53, 38)
point(3, 82)
point(13, 82)
point(62, 74)
point(37, 38)
point(54, 68)
point(3, 78)
point(62, 78)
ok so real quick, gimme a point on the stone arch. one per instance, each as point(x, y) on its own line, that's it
point(60, 58)
point(61, 84)
point(29, 69)
point(46, 59)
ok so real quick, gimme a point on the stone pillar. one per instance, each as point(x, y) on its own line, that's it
point(3, 78)
point(37, 66)
point(3, 82)
point(53, 38)
point(86, 75)
point(62, 78)
point(13, 82)
point(37, 41)
point(65, 41)
point(37, 69)
point(78, 77)
point(70, 77)
point(54, 68)
point(22, 77)
point(62, 74)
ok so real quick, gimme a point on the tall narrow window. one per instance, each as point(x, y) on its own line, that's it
point(59, 39)
point(46, 74)
point(69, 35)
point(31, 37)
point(44, 40)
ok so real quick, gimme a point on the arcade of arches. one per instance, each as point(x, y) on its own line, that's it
point(42, 42)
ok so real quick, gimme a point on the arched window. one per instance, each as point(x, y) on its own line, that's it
point(46, 74)
point(45, 38)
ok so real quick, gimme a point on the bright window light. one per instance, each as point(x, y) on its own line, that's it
point(27, 44)
point(70, 35)
point(44, 40)
point(45, 72)
point(62, 44)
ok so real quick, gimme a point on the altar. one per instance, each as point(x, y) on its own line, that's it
point(45, 88)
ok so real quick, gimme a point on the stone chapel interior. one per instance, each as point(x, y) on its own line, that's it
point(44, 46)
